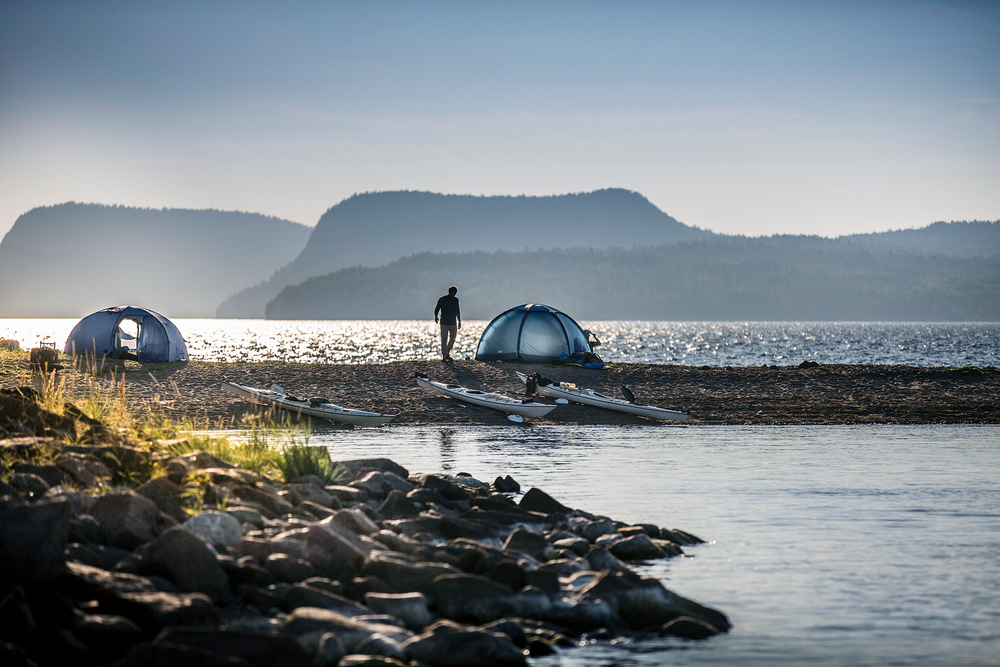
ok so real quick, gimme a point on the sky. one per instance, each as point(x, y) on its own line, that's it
point(752, 118)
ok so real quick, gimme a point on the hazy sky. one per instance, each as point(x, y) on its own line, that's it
point(741, 117)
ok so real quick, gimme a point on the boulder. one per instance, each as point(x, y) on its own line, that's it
point(398, 506)
point(644, 603)
point(86, 470)
point(445, 487)
point(536, 500)
point(356, 467)
point(355, 521)
point(689, 628)
point(274, 503)
point(200, 460)
point(185, 559)
point(33, 541)
point(637, 547)
point(304, 595)
point(471, 598)
point(53, 475)
point(315, 493)
point(527, 542)
point(128, 519)
point(448, 644)
point(577, 545)
point(351, 632)
point(106, 636)
point(594, 530)
point(247, 515)
point(284, 567)
point(215, 528)
point(346, 494)
point(410, 608)
point(506, 485)
point(259, 648)
point(29, 485)
point(166, 496)
point(405, 575)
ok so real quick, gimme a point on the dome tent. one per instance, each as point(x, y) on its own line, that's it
point(120, 330)
point(531, 332)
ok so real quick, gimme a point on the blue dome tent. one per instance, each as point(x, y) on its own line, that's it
point(531, 332)
point(127, 330)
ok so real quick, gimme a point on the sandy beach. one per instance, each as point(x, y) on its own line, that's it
point(827, 394)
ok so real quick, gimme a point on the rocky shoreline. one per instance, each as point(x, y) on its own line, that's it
point(383, 567)
point(765, 395)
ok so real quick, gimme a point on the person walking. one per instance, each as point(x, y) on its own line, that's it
point(451, 321)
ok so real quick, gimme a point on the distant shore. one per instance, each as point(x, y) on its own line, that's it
point(827, 394)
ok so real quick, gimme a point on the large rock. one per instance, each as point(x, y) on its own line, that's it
point(128, 519)
point(404, 575)
point(29, 485)
point(536, 500)
point(447, 644)
point(527, 542)
point(304, 595)
point(637, 547)
point(33, 541)
point(166, 496)
point(216, 528)
point(274, 503)
point(107, 637)
point(185, 559)
point(410, 608)
point(356, 467)
point(259, 648)
point(644, 603)
point(471, 598)
point(351, 632)
point(136, 598)
point(86, 470)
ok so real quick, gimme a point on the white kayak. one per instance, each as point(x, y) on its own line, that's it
point(313, 407)
point(570, 392)
point(512, 406)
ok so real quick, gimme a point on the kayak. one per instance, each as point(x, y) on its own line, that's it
point(570, 392)
point(313, 407)
point(512, 406)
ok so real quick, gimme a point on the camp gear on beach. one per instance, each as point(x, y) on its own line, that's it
point(568, 391)
point(107, 333)
point(533, 333)
point(513, 406)
point(314, 407)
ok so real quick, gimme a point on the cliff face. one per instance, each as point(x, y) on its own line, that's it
point(73, 259)
point(377, 228)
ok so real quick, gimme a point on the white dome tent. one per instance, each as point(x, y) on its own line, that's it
point(122, 331)
point(531, 332)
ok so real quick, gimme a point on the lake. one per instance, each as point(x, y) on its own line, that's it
point(688, 343)
point(827, 545)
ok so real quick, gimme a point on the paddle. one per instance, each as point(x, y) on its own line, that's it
point(629, 396)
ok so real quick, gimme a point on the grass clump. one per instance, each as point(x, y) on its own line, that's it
point(300, 460)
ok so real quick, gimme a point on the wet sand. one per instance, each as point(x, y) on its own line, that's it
point(834, 394)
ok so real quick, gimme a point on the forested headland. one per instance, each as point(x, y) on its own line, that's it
point(730, 279)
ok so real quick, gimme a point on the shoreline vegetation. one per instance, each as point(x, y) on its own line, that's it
point(127, 539)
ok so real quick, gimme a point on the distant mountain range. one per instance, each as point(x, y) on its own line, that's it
point(732, 279)
point(374, 229)
point(389, 255)
point(73, 259)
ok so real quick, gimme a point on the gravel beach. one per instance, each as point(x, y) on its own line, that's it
point(826, 394)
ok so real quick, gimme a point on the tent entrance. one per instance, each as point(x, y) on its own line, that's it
point(127, 337)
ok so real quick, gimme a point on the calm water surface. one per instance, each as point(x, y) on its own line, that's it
point(827, 545)
point(690, 343)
